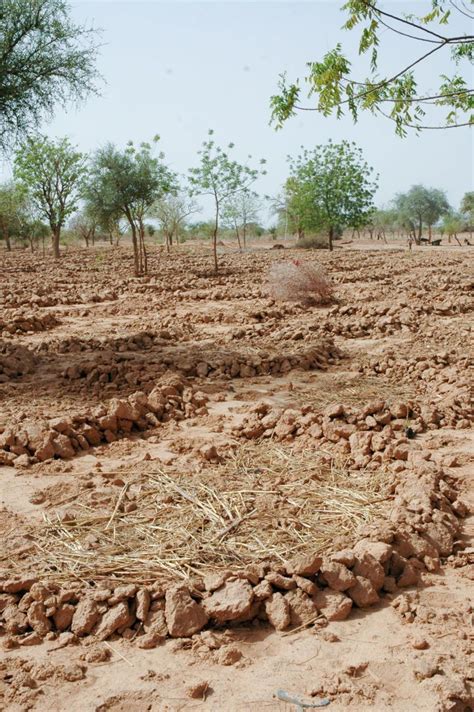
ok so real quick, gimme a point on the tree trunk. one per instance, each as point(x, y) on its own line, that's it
point(143, 254)
point(55, 240)
point(238, 238)
point(429, 234)
point(6, 236)
point(136, 256)
point(331, 234)
point(420, 230)
point(244, 235)
point(214, 241)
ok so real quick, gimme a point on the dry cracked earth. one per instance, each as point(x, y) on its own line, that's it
point(213, 500)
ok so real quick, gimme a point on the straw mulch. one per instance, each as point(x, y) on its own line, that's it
point(265, 503)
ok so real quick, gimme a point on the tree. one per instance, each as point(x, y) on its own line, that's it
point(222, 178)
point(330, 187)
point(384, 220)
point(51, 173)
point(171, 212)
point(421, 207)
point(452, 224)
point(108, 220)
point(45, 59)
point(85, 224)
point(239, 212)
point(30, 230)
point(397, 95)
point(12, 199)
point(128, 183)
point(467, 209)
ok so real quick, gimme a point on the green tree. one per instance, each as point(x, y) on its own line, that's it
point(35, 231)
point(239, 212)
point(397, 95)
point(467, 209)
point(108, 220)
point(12, 201)
point(171, 211)
point(420, 207)
point(85, 224)
point(329, 187)
point(453, 223)
point(221, 178)
point(384, 220)
point(51, 173)
point(29, 230)
point(45, 59)
point(128, 183)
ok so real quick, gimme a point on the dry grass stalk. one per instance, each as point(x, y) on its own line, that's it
point(266, 503)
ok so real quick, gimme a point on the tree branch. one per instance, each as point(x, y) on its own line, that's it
point(404, 21)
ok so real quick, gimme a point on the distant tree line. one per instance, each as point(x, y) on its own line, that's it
point(329, 189)
point(414, 214)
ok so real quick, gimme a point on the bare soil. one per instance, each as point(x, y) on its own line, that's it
point(188, 429)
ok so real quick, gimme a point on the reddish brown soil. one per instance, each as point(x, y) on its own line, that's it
point(252, 392)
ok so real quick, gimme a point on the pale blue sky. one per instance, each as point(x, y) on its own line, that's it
point(179, 68)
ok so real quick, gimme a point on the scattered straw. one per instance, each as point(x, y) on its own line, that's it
point(265, 503)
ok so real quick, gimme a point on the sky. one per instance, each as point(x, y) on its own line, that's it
point(180, 68)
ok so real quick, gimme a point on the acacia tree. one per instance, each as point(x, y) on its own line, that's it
point(51, 172)
point(171, 212)
point(12, 200)
point(221, 178)
point(421, 206)
point(45, 59)
point(239, 211)
point(397, 95)
point(330, 186)
point(128, 183)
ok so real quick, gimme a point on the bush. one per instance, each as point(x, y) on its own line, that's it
point(297, 282)
point(313, 242)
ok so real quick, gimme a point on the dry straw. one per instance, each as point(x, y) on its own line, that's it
point(297, 281)
point(265, 503)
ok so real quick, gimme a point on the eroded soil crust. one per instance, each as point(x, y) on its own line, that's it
point(208, 496)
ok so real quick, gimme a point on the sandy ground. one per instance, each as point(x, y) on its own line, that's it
point(412, 652)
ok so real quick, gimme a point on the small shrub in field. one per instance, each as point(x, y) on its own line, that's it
point(298, 282)
point(313, 242)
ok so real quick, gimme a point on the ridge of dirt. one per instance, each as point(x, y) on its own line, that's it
point(205, 401)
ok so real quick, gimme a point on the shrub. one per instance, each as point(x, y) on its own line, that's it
point(313, 242)
point(297, 282)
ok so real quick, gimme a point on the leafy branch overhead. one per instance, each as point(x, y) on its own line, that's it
point(398, 95)
point(46, 59)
